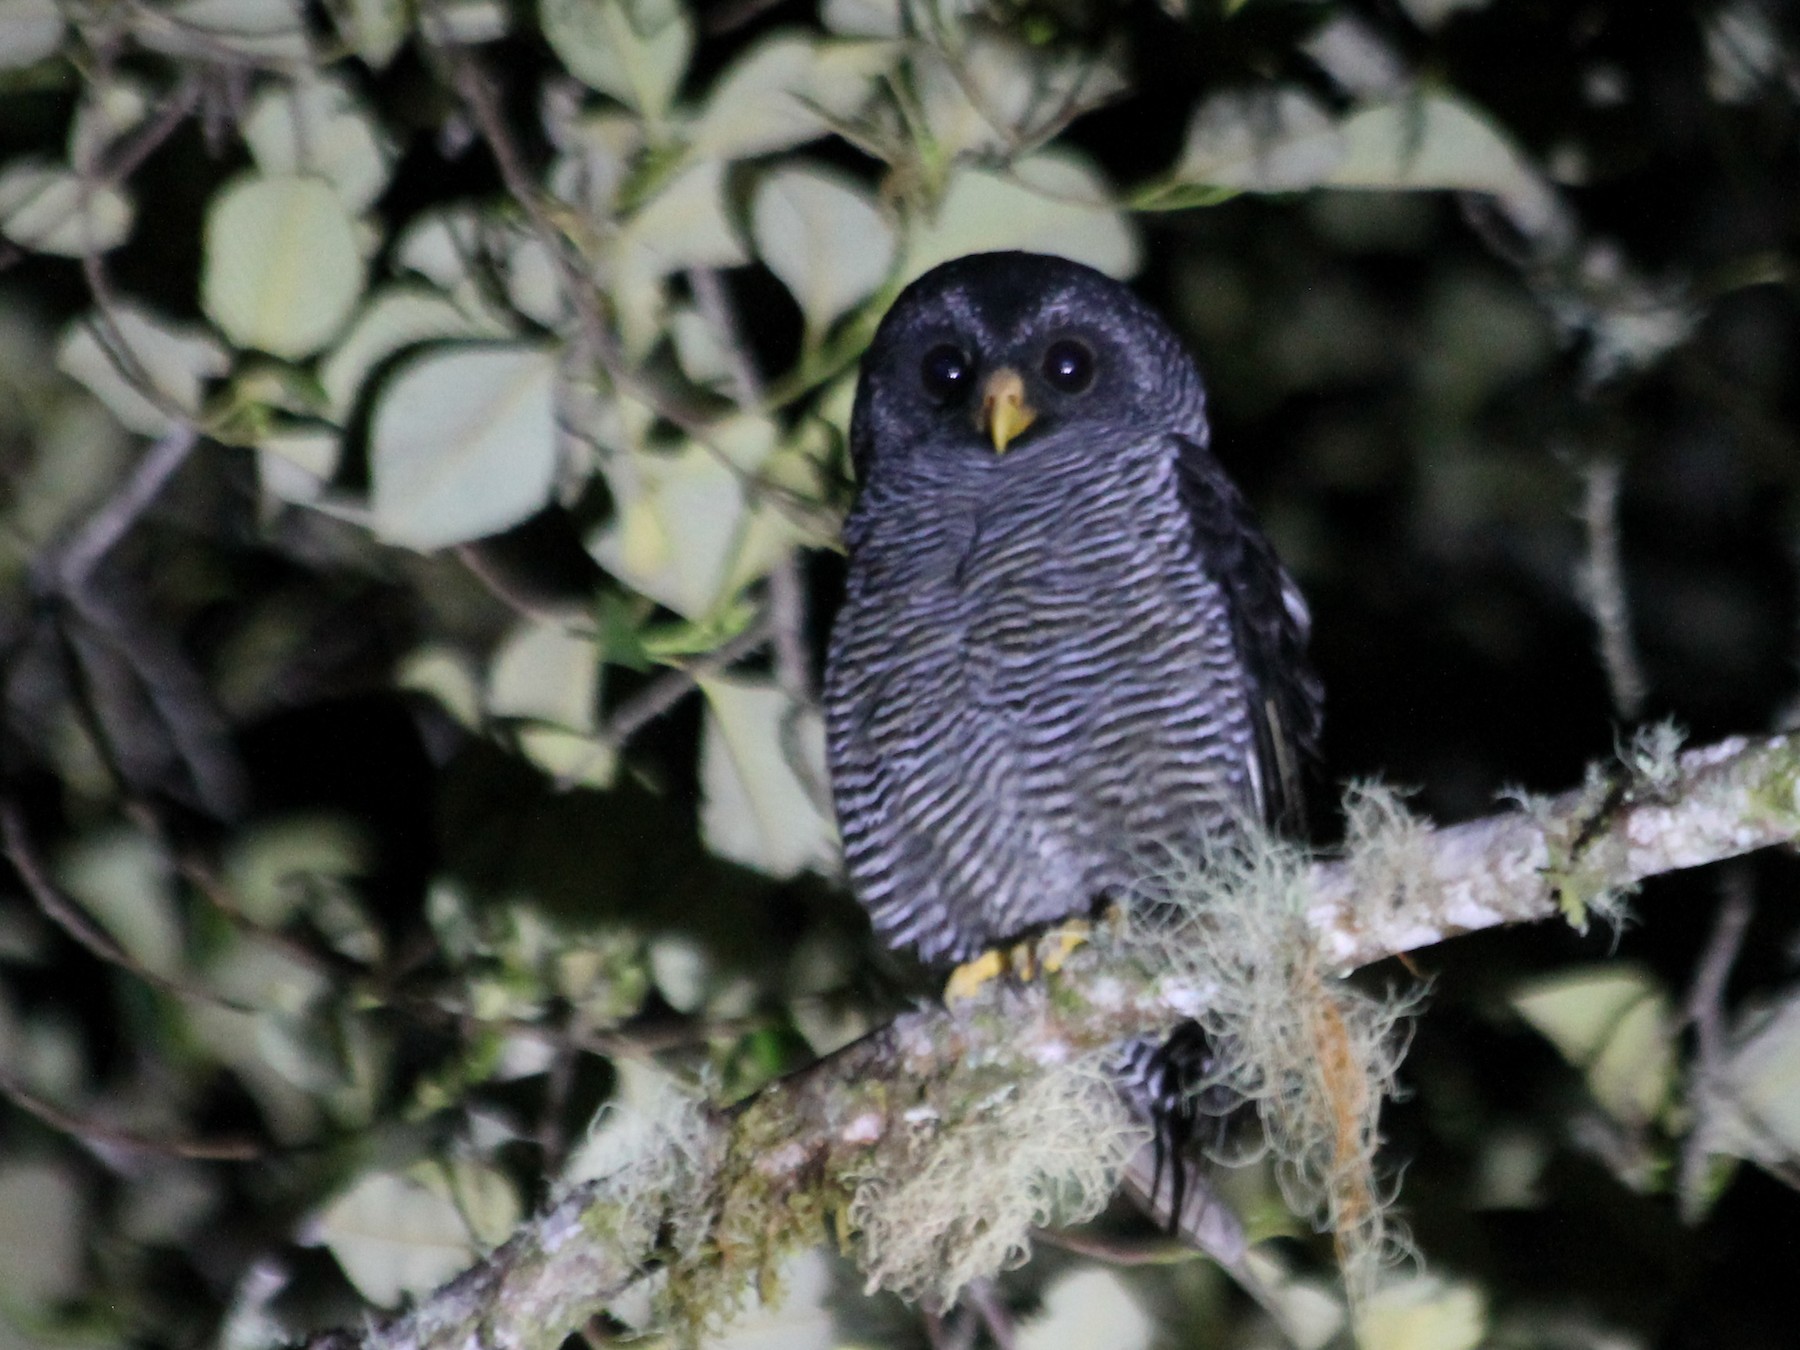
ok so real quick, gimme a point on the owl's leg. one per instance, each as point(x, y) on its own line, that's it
point(1044, 954)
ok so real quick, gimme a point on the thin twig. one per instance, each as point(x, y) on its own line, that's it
point(103, 530)
point(67, 915)
point(129, 154)
point(98, 1134)
point(666, 690)
point(1706, 1014)
point(747, 389)
point(1602, 587)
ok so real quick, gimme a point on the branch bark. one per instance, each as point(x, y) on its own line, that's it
point(766, 1171)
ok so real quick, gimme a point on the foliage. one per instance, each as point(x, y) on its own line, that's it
point(421, 450)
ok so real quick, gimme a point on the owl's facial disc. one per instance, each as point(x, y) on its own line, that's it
point(1004, 411)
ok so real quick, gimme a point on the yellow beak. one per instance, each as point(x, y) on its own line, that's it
point(1004, 411)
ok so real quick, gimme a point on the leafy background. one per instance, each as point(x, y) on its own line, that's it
point(421, 448)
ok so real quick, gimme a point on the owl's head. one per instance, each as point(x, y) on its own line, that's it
point(1003, 354)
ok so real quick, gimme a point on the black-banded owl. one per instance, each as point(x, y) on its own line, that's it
point(1065, 643)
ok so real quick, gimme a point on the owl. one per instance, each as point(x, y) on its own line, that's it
point(1065, 645)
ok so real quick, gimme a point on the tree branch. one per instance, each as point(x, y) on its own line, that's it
point(762, 1176)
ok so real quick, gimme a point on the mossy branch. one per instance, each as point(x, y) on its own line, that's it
point(742, 1187)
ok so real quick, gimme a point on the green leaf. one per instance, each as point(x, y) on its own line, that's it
point(787, 90)
point(374, 28)
point(1086, 1308)
point(268, 864)
point(1423, 1313)
point(633, 50)
point(824, 237)
point(41, 1235)
point(173, 360)
point(543, 672)
point(265, 29)
point(1435, 141)
point(1052, 203)
point(124, 882)
point(398, 1234)
point(1752, 1110)
point(685, 530)
point(282, 269)
point(687, 224)
point(30, 31)
point(1263, 140)
point(394, 318)
point(1614, 1024)
point(317, 126)
point(52, 209)
point(762, 761)
point(463, 444)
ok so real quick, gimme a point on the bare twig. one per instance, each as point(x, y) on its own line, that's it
point(106, 527)
point(667, 689)
point(1602, 588)
point(1706, 1014)
point(69, 917)
point(98, 1134)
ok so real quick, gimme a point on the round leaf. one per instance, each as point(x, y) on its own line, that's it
point(824, 237)
point(317, 127)
point(30, 31)
point(282, 268)
point(464, 444)
point(53, 210)
point(759, 806)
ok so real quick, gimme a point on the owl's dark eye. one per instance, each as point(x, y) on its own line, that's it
point(1069, 365)
point(945, 372)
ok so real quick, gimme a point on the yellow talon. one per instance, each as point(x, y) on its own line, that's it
point(966, 980)
point(1060, 943)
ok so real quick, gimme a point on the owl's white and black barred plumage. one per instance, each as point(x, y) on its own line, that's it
point(1052, 662)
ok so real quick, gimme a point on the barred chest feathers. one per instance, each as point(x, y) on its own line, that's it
point(1033, 682)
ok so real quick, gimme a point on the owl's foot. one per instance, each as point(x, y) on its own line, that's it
point(1045, 953)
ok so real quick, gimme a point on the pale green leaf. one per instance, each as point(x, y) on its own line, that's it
point(542, 672)
point(269, 29)
point(445, 674)
point(125, 883)
point(396, 1235)
point(268, 864)
point(1052, 203)
point(173, 360)
point(571, 758)
point(633, 50)
point(30, 31)
point(42, 1243)
point(257, 972)
point(1262, 140)
point(599, 150)
point(282, 269)
point(762, 764)
point(108, 110)
point(374, 28)
point(297, 464)
point(1423, 1313)
point(317, 126)
point(687, 224)
point(798, 1316)
point(824, 237)
point(51, 209)
point(1088, 1308)
point(1614, 1024)
point(463, 444)
point(1752, 1110)
point(786, 90)
point(394, 318)
point(863, 18)
point(1434, 141)
point(466, 23)
point(682, 520)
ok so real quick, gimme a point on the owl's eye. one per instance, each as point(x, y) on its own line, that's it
point(945, 372)
point(1069, 365)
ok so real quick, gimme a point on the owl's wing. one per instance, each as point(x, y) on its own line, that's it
point(1271, 624)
